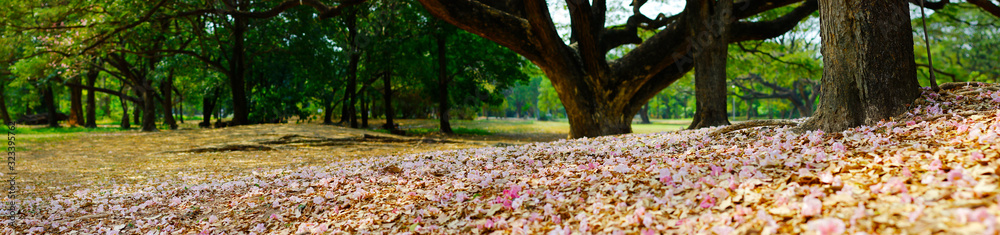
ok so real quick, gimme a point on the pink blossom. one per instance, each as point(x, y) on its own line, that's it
point(976, 156)
point(722, 230)
point(707, 202)
point(827, 226)
point(811, 206)
point(837, 146)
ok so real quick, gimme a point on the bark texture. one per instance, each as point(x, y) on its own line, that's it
point(869, 72)
point(710, 25)
point(75, 106)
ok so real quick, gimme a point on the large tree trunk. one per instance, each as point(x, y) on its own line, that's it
point(75, 105)
point(442, 84)
point(352, 80)
point(237, 69)
point(50, 105)
point(869, 73)
point(91, 99)
point(387, 102)
point(166, 89)
point(711, 32)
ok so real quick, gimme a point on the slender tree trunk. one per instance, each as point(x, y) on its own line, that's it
point(3, 104)
point(442, 83)
point(364, 108)
point(869, 73)
point(125, 122)
point(91, 98)
point(138, 108)
point(75, 106)
point(50, 105)
point(149, 108)
point(710, 64)
point(352, 86)
point(237, 69)
point(387, 102)
point(180, 107)
point(166, 87)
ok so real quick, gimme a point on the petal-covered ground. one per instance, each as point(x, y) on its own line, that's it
point(934, 170)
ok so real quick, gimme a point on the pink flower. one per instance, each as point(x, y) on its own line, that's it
point(723, 230)
point(811, 206)
point(259, 228)
point(827, 226)
point(709, 201)
point(976, 156)
point(839, 147)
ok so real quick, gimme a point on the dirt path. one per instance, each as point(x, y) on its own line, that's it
point(63, 164)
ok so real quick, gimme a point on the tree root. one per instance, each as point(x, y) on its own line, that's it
point(752, 124)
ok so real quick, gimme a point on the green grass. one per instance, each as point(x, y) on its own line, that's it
point(457, 130)
point(63, 130)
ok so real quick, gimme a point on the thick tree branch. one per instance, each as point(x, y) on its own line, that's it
point(748, 8)
point(586, 31)
point(744, 31)
point(987, 6)
point(931, 5)
point(501, 27)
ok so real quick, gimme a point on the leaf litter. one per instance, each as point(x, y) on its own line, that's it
point(932, 170)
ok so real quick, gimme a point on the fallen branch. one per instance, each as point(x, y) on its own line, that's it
point(752, 124)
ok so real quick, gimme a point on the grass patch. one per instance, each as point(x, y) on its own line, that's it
point(457, 130)
point(63, 130)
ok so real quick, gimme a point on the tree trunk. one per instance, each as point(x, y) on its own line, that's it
point(442, 83)
point(352, 85)
point(364, 107)
point(3, 105)
point(387, 102)
point(166, 89)
point(125, 122)
point(50, 105)
point(75, 106)
point(237, 69)
point(139, 107)
point(206, 112)
point(710, 63)
point(91, 98)
point(644, 114)
point(149, 109)
point(869, 73)
point(180, 106)
point(328, 113)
